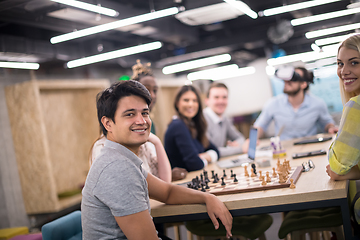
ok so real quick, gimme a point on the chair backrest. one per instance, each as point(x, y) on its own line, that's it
point(67, 227)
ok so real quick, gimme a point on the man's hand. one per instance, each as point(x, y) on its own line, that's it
point(216, 209)
point(232, 143)
point(178, 173)
point(333, 129)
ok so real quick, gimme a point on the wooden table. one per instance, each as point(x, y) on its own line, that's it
point(313, 189)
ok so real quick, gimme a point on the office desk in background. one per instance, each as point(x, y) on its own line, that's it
point(314, 189)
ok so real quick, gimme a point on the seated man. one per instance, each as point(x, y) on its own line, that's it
point(221, 132)
point(296, 113)
point(115, 203)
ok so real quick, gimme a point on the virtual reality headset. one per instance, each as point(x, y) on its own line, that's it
point(287, 73)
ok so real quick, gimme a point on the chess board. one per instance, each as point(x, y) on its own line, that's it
point(249, 184)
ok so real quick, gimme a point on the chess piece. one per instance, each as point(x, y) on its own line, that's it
point(202, 188)
point(216, 180)
point(212, 174)
point(222, 181)
point(278, 165)
point(232, 174)
point(252, 173)
point(260, 172)
point(246, 171)
point(282, 178)
point(235, 179)
point(274, 173)
point(263, 183)
point(224, 173)
point(268, 178)
point(254, 167)
point(292, 185)
point(207, 185)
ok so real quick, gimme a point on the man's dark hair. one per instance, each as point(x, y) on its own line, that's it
point(308, 77)
point(215, 85)
point(107, 100)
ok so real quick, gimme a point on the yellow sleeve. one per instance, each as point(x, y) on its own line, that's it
point(344, 152)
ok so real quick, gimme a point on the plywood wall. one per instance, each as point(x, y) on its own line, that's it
point(53, 125)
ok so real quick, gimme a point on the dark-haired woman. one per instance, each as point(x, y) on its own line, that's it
point(186, 143)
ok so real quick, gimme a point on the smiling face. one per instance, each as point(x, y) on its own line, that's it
point(188, 104)
point(348, 61)
point(131, 125)
point(218, 100)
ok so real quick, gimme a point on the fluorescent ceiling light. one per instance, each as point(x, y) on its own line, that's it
point(304, 57)
point(337, 39)
point(196, 63)
point(328, 31)
point(114, 25)
point(114, 54)
point(296, 6)
point(315, 47)
point(236, 73)
point(242, 7)
point(325, 16)
point(208, 74)
point(19, 65)
point(89, 7)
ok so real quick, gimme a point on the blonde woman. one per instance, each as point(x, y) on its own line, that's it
point(344, 152)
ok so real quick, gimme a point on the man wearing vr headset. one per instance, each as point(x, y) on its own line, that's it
point(296, 113)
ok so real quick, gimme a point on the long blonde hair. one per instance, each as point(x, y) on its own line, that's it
point(353, 43)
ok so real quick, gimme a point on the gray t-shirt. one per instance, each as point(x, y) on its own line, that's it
point(115, 186)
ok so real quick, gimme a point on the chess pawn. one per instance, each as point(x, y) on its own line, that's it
point(246, 171)
point(274, 173)
point(278, 165)
point(292, 185)
point(263, 183)
point(260, 172)
point(268, 178)
point(252, 173)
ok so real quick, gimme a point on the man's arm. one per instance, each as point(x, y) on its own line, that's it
point(260, 131)
point(174, 194)
point(138, 226)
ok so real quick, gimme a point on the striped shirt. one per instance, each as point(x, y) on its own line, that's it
point(344, 152)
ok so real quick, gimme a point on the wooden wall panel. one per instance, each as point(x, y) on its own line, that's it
point(69, 114)
point(31, 148)
point(53, 125)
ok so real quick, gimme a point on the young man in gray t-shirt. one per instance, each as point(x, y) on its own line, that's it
point(116, 195)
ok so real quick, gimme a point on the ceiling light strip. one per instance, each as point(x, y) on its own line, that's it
point(330, 40)
point(328, 31)
point(114, 54)
point(113, 25)
point(242, 7)
point(303, 57)
point(325, 16)
point(196, 64)
point(237, 73)
point(89, 7)
point(19, 65)
point(296, 6)
point(208, 74)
